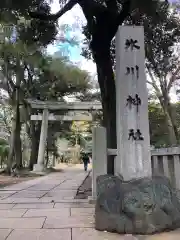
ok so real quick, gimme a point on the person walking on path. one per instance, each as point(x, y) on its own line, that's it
point(85, 159)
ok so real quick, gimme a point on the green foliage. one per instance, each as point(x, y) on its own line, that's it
point(42, 76)
point(28, 72)
point(158, 126)
point(162, 35)
point(159, 134)
point(6, 117)
point(36, 31)
point(69, 77)
point(160, 39)
point(55, 78)
point(4, 150)
point(78, 128)
point(162, 31)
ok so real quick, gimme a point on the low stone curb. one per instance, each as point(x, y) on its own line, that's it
point(87, 175)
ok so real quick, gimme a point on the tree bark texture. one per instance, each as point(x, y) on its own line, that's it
point(12, 144)
point(35, 136)
point(108, 94)
point(18, 148)
point(170, 115)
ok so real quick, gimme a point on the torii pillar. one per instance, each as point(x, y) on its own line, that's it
point(39, 167)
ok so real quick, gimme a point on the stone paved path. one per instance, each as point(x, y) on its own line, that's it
point(45, 209)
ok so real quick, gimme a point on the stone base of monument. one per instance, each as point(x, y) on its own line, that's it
point(91, 200)
point(39, 169)
point(140, 206)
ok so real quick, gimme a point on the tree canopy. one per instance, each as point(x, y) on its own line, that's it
point(28, 72)
point(103, 19)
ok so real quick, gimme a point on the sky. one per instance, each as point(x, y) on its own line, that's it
point(75, 20)
point(75, 30)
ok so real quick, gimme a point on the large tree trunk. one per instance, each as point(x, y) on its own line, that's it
point(170, 118)
point(54, 159)
point(47, 157)
point(18, 148)
point(173, 140)
point(35, 136)
point(12, 143)
point(15, 141)
point(108, 94)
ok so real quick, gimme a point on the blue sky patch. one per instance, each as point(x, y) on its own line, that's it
point(70, 47)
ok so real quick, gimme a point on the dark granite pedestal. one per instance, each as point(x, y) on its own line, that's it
point(139, 206)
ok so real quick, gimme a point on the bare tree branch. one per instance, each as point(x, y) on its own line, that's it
point(121, 17)
point(65, 9)
point(29, 73)
point(150, 83)
point(173, 78)
point(150, 74)
point(178, 77)
point(55, 16)
point(153, 83)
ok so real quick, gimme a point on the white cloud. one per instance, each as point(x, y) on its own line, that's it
point(89, 66)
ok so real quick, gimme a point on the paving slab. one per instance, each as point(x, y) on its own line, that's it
point(50, 200)
point(12, 213)
point(175, 235)
point(69, 222)
point(61, 193)
point(72, 205)
point(76, 201)
point(5, 194)
point(16, 187)
point(26, 184)
point(28, 208)
point(31, 210)
point(29, 194)
point(36, 200)
point(2, 191)
point(82, 211)
point(44, 187)
point(19, 223)
point(68, 198)
point(34, 205)
point(6, 200)
point(23, 200)
point(64, 212)
point(92, 234)
point(40, 234)
point(66, 187)
point(6, 206)
point(4, 233)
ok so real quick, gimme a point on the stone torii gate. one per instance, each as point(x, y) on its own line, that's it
point(46, 116)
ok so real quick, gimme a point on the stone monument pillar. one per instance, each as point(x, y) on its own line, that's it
point(39, 167)
point(133, 142)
